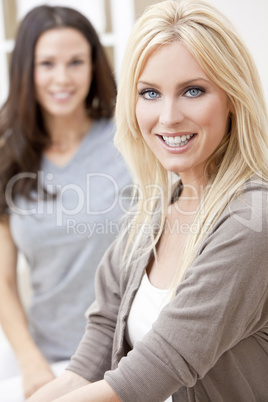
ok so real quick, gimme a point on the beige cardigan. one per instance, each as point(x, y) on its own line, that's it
point(210, 343)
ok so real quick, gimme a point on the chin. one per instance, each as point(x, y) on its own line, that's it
point(173, 168)
point(63, 112)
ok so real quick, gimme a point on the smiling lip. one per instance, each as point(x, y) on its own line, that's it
point(177, 142)
point(61, 96)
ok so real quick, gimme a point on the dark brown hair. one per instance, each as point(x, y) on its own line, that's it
point(23, 136)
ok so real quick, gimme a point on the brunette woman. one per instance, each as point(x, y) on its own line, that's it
point(61, 179)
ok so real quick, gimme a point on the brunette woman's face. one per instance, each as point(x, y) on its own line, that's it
point(62, 72)
point(182, 114)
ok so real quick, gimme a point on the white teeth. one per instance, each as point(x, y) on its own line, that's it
point(177, 141)
point(61, 95)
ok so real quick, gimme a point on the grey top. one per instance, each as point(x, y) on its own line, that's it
point(63, 240)
point(210, 343)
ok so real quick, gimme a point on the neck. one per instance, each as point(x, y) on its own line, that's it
point(67, 131)
point(192, 192)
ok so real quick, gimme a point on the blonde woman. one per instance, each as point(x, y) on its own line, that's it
point(181, 310)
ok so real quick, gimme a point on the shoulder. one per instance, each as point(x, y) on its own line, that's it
point(240, 235)
point(248, 210)
point(231, 262)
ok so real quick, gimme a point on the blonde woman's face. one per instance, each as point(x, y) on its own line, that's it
point(181, 113)
point(62, 72)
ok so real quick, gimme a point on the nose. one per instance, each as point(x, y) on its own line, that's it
point(61, 74)
point(171, 114)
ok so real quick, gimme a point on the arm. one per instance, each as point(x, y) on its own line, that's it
point(63, 385)
point(99, 391)
point(70, 387)
point(35, 370)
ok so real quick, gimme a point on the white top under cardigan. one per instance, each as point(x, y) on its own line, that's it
point(144, 311)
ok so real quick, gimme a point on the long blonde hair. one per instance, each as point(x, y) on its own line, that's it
point(214, 43)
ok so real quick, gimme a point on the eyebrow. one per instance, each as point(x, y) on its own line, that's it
point(180, 85)
point(41, 55)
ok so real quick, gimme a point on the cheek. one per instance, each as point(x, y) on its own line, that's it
point(145, 117)
point(83, 84)
point(40, 80)
point(215, 117)
point(139, 115)
point(220, 121)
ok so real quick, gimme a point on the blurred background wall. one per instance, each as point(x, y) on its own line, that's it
point(113, 20)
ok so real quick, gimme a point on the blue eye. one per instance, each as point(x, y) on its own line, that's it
point(149, 94)
point(194, 92)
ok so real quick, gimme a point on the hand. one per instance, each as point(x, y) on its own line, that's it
point(67, 382)
point(35, 373)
